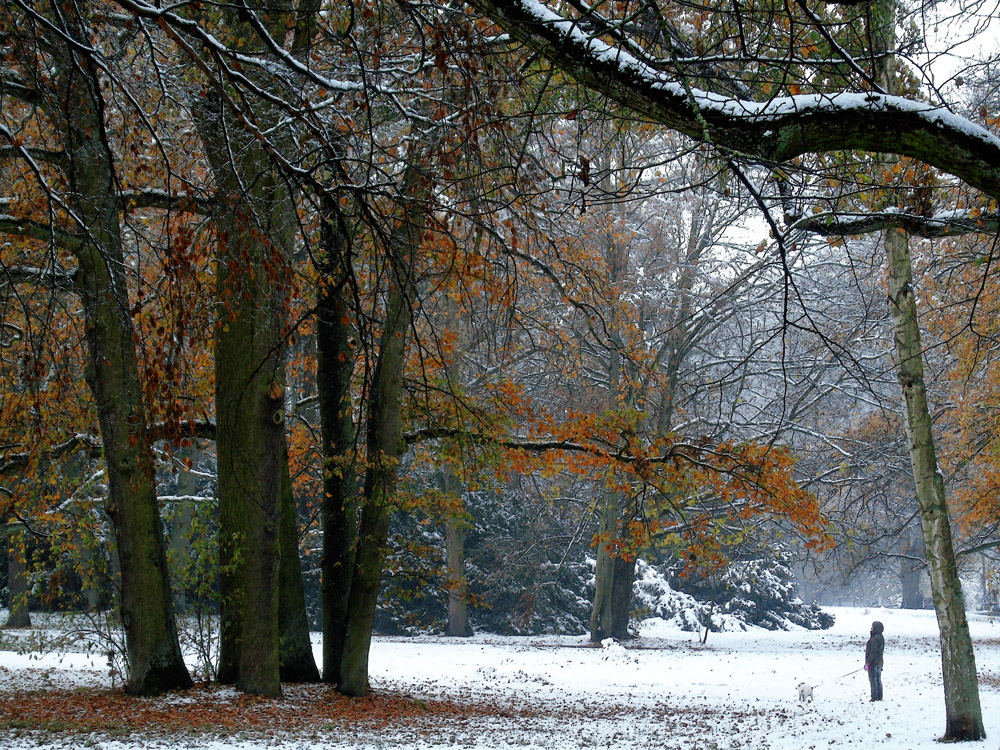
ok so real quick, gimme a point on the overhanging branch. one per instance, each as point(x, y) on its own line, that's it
point(56, 158)
point(93, 447)
point(688, 452)
point(772, 131)
point(162, 199)
point(88, 444)
point(20, 227)
point(942, 224)
point(53, 278)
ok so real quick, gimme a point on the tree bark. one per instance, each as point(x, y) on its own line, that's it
point(384, 438)
point(295, 646)
point(334, 370)
point(601, 616)
point(910, 573)
point(964, 716)
point(249, 393)
point(17, 582)
point(455, 519)
point(608, 582)
point(385, 447)
point(964, 720)
point(183, 515)
point(909, 577)
point(621, 597)
point(154, 656)
point(255, 222)
point(454, 546)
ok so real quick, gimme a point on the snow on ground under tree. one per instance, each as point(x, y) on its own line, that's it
point(664, 690)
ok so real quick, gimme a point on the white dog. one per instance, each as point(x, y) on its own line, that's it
point(805, 693)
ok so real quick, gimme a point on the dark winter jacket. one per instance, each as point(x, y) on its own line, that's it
point(875, 647)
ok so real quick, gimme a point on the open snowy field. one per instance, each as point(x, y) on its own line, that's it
point(665, 690)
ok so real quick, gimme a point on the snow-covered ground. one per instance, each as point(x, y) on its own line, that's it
point(664, 690)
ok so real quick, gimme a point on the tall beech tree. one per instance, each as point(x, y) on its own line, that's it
point(964, 719)
point(336, 362)
point(66, 89)
point(384, 433)
point(963, 714)
point(256, 230)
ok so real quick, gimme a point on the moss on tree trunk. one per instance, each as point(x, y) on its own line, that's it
point(154, 657)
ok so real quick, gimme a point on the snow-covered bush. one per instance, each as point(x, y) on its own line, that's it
point(758, 592)
point(765, 595)
point(653, 596)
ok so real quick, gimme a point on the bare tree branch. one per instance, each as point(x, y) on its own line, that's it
point(56, 158)
point(89, 444)
point(94, 447)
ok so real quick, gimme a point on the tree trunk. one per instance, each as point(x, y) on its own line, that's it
point(964, 716)
point(601, 616)
point(385, 447)
point(97, 583)
point(256, 223)
point(455, 525)
point(334, 370)
point(458, 587)
point(384, 437)
point(182, 518)
point(608, 572)
point(909, 576)
point(621, 597)
point(254, 229)
point(17, 582)
point(249, 429)
point(455, 517)
point(964, 719)
point(249, 404)
point(911, 573)
point(154, 656)
point(295, 648)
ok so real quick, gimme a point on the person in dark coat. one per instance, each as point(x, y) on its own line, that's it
point(873, 659)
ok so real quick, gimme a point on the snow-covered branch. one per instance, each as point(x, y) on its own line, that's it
point(19, 227)
point(950, 223)
point(155, 198)
point(775, 130)
point(18, 90)
point(58, 158)
point(94, 447)
point(54, 278)
point(202, 429)
point(80, 442)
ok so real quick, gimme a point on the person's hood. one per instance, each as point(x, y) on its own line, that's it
point(877, 627)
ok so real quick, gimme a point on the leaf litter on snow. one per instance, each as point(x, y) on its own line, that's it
point(662, 690)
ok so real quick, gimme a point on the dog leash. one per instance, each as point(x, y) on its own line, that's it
point(838, 679)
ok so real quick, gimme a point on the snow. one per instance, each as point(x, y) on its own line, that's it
point(771, 110)
point(663, 690)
